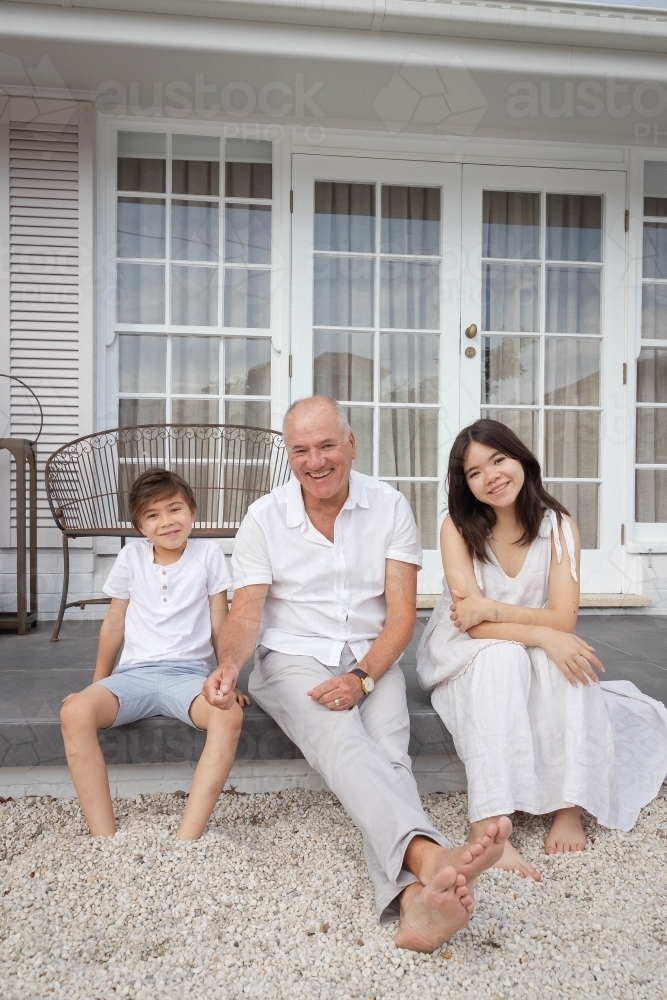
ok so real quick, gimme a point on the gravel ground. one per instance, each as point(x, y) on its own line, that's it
point(274, 902)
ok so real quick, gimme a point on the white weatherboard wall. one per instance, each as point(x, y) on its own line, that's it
point(46, 302)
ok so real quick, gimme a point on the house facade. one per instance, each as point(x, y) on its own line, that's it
point(431, 211)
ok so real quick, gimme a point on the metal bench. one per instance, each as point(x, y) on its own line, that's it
point(88, 480)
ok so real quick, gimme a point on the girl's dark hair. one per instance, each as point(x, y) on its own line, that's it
point(474, 519)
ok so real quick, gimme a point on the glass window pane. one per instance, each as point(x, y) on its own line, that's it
point(252, 413)
point(204, 146)
point(140, 224)
point(361, 422)
point(423, 498)
point(510, 370)
point(248, 234)
point(511, 225)
point(574, 227)
point(140, 293)
point(572, 372)
point(343, 291)
point(524, 423)
point(135, 412)
point(194, 230)
point(571, 445)
point(195, 177)
point(195, 411)
point(194, 365)
point(142, 363)
point(408, 442)
point(248, 180)
point(247, 298)
point(142, 144)
point(409, 295)
point(247, 366)
point(343, 365)
point(573, 300)
point(345, 217)
point(409, 366)
point(511, 298)
point(652, 435)
point(194, 296)
point(655, 249)
point(654, 312)
point(652, 376)
point(411, 220)
point(581, 501)
point(141, 175)
point(655, 187)
point(651, 495)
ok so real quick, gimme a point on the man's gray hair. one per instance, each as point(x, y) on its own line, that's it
point(329, 401)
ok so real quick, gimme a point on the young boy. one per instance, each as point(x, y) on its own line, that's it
point(168, 604)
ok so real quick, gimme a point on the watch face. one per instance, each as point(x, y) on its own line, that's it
point(368, 684)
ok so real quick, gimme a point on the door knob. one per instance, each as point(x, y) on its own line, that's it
point(470, 352)
point(471, 331)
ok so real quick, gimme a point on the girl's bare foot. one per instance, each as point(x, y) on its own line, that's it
point(512, 861)
point(566, 833)
point(431, 914)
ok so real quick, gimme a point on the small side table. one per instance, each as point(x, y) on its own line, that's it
point(23, 453)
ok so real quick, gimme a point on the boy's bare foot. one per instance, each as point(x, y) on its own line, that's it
point(512, 861)
point(566, 833)
point(431, 914)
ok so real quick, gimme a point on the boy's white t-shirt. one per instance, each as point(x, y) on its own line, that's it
point(168, 616)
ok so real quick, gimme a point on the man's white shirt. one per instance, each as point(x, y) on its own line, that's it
point(324, 594)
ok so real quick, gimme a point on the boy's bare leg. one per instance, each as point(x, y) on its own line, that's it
point(223, 727)
point(511, 860)
point(81, 716)
point(566, 833)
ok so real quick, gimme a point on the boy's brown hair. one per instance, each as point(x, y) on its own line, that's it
point(157, 484)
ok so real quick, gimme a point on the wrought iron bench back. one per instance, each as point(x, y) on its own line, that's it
point(228, 467)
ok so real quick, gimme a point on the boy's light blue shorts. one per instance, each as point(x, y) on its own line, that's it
point(147, 689)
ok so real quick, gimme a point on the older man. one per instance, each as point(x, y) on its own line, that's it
point(325, 572)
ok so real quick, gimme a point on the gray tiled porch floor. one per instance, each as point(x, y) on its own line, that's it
point(36, 674)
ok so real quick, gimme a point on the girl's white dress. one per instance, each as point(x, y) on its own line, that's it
point(528, 739)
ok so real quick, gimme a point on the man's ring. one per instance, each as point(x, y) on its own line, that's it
point(337, 702)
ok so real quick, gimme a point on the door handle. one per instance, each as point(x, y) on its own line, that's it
point(471, 331)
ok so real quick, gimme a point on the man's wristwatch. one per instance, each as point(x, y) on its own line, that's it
point(367, 682)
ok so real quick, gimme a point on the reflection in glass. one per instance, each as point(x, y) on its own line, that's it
point(651, 495)
point(140, 227)
point(411, 220)
point(140, 293)
point(194, 230)
point(247, 366)
point(248, 180)
point(408, 442)
point(654, 312)
point(511, 225)
point(511, 298)
point(343, 291)
point(345, 217)
point(247, 298)
point(194, 296)
point(423, 498)
point(136, 174)
point(524, 423)
point(510, 370)
point(652, 435)
point(655, 187)
point(409, 295)
point(195, 365)
point(195, 177)
point(248, 234)
point(571, 443)
point(195, 411)
point(135, 412)
point(343, 365)
point(573, 300)
point(361, 422)
point(655, 249)
point(655, 207)
point(142, 364)
point(581, 500)
point(574, 227)
point(572, 372)
point(250, 413)
point(409, 365)
point(652, 376)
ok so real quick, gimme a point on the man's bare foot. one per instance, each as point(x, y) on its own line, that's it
point(431, 914)
point(512, 861)
point(566, 833)
point(473, 858)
